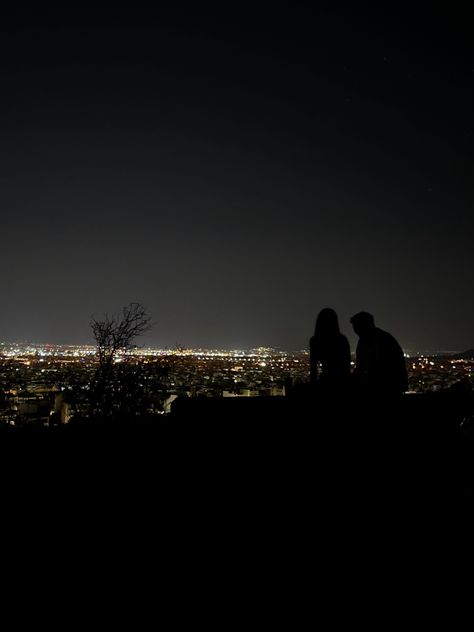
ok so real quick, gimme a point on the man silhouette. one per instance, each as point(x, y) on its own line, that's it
point(380, 363)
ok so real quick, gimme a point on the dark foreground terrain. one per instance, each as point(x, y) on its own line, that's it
point(228, 505)
point(292, 450)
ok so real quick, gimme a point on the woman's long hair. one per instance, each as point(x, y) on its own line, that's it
point(327, 324)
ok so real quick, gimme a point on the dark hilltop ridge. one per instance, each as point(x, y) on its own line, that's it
point(465, 355)
point(419, 448)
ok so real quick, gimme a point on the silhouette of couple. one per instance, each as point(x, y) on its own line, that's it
point(380, 369)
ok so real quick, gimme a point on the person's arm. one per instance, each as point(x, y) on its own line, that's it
point(313, 362)
point(346, 354)
point(357, 372)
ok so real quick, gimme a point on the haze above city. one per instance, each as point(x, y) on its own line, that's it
point(237, 171)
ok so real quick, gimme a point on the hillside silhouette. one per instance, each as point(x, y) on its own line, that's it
point(417, 451)
point(465, 355)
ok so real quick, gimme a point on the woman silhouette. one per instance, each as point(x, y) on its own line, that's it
point(329, 353)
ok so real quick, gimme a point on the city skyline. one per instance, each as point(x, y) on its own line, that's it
point(236, 171)
point(27, 347)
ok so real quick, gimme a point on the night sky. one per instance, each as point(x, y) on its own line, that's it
point(237, 171)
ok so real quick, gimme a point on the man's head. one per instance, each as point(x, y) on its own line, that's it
point(363, 324)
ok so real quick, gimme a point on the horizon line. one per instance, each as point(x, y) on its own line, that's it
point(214, 348)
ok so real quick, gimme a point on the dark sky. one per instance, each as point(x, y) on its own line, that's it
point(236, 171)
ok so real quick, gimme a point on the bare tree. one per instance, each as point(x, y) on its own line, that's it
point(117, 333)
point(115, 389)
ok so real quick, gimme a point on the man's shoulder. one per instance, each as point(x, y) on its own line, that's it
point(386, 337)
